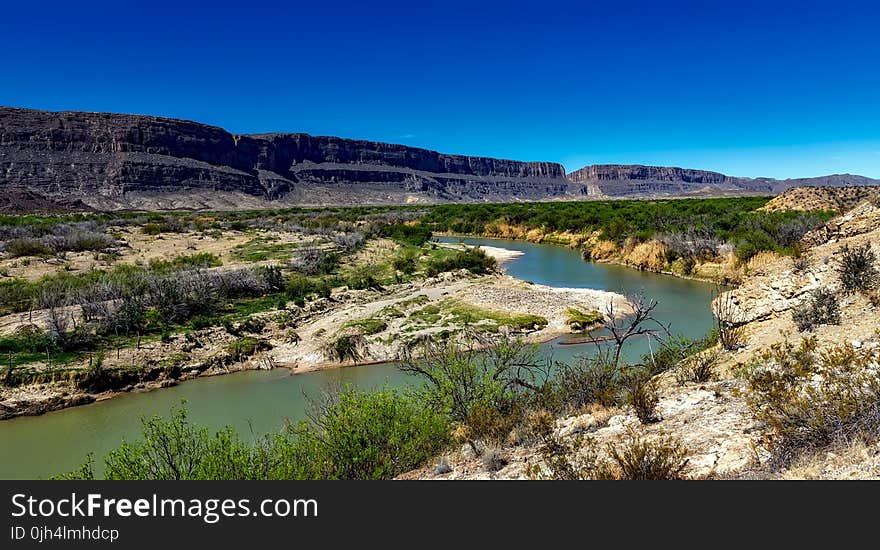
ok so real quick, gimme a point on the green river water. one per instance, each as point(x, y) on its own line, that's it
point(257, 402)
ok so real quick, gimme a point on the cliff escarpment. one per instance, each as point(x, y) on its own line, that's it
point(133, 160)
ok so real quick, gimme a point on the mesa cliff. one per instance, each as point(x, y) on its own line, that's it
point(117, 160)
point(111, 161)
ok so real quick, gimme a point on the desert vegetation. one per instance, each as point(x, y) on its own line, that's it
point(676, 236)
point(207, 288)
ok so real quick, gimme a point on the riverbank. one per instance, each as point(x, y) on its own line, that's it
point(789, 392)
point(650, 256)
point(349, 328)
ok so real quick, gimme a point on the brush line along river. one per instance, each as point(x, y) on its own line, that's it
point(256, 402)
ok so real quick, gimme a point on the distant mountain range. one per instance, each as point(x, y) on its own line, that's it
point(134, 161)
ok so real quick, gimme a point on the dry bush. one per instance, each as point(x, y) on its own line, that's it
point(857, 269)
point(635, 458)
point(810, 399)
point(698, 368)
point(642, 396)
point(660, 458)
point(821, 308)
point(729, 320)
point(761, 260)
point(492, 458)
point(800, 265)
point(649, 255)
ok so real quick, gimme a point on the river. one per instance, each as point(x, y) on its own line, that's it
point(256, 402)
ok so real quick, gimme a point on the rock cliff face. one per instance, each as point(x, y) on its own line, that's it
point(125, 160)
point(624, 180)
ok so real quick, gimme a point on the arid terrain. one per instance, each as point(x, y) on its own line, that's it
point(791, 391)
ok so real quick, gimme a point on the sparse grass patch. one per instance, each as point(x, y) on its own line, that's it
point(367, 327)
point(246, 346)
point(458, 313)
point(264, 248)
point(582, 320)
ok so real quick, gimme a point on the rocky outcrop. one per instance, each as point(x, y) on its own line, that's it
point(121, 159)
point(839, 199)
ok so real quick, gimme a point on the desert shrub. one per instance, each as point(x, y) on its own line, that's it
point(697, 368)
point(406, 261)
point(78, 238)
point(350, 241)
point(642, 396)
point(592, 379)
point(857, 269)
point(151, 229)
point(635, 458)
point(408, 234)
point(363, 279)
point(348, 347)
point(493, 459)
point(801, 264)
point(638, 458)
point(272, 276)
point(300, 287)
point(17, 248)
point(729, 321)
point(565, 458)
point(314, 261)
point(788, 232)
point(472, 259)
point(193, 261)
point(810, 400)
point(821, 308)
point(479, 383)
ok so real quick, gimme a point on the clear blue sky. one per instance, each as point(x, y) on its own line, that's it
point(780, 89)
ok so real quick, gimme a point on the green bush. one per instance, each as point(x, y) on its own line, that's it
point(407, 234)
point(406, 261)
point(374, 435)
point(473, 259)
point(17, 248)
point(354, 435)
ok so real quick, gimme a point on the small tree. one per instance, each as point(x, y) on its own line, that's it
point(478, 382)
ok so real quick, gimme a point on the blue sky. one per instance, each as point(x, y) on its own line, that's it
point(779, 89)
